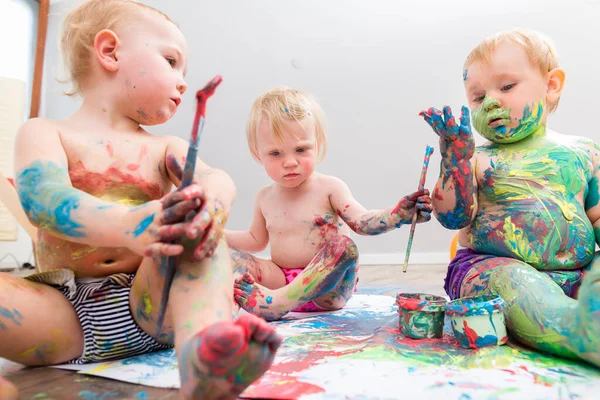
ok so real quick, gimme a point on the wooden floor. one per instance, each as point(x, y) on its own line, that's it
point(52, 383)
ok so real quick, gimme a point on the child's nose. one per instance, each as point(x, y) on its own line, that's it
point(182, 87)
point(290, 162)
point(490, 103)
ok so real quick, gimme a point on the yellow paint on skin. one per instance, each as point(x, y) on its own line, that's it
point(58, 343)
point(518, 243)
point(148, 307)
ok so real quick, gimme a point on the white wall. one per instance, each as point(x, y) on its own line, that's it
point(373, 65)
point(18, 28)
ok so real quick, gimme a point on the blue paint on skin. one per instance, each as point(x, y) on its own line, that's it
point(465, 74)
point(142, 226)
point(269, 299)
point(141, 395)
point(14, 316)
point(48, 199)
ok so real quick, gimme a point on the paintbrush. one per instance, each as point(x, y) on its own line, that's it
point(188, 177)
point(428, 153)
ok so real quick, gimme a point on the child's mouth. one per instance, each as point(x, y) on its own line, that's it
point(496, 122)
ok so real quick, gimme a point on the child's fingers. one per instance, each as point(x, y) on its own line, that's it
point(424, 216)
point(168, 233)
point(450, 123)
point(187, 193)
point(465, 122)
point(163, 249)
point(424, 207)
point(178, 211)
point(199, 224)
point(207, 245)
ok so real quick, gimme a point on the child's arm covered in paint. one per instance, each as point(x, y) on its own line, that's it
point(255, 239)
point(455, 193)
point(53, 204)
point(592, 198)
point(375, 222)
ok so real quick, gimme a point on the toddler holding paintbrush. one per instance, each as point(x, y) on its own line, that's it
point(98, 188)
point(305, 216)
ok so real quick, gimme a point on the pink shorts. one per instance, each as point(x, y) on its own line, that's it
point(290, 275)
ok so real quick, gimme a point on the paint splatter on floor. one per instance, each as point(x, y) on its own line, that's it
point(358, 353)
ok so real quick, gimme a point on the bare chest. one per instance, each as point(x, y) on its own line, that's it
point(122, 171)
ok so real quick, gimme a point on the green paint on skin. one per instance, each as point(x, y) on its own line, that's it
point(531, 185)
point(593, 195)
point(530, 122)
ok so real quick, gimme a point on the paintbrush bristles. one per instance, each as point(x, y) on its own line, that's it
point(428, 153)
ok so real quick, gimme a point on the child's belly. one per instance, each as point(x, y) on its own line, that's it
point(84, 260)
point(548, 236)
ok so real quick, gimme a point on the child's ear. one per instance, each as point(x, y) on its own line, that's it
point(106, 44)
point(556, 83)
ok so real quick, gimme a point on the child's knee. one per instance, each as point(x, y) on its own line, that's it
point(345, 245)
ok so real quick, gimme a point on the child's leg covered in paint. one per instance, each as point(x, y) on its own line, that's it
point(539, 313)
point(328, 280)
point(38, 324)
point(218, 358)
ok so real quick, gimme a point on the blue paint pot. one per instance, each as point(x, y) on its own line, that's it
point(478, 321)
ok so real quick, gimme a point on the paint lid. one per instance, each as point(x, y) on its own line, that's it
point(484, 304)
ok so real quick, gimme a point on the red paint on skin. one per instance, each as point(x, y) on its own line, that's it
point(352, 224)
point(109, 149)
point(99, 183)
point(326, 226)
point(397, 209)
point(471, 335)
point(438, 195)
point(133, 167)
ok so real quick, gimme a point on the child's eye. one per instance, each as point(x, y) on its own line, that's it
point(506, 88)
point(274, 153)
point(300, 150)
point(478, 99)
point(172, 62)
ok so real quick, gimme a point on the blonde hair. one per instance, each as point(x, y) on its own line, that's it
point(539, 48)
point(81, 26)
point(285, 104)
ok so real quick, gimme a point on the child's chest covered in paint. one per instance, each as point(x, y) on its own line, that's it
point(301, 224)
point(531, 206)
point(122, 171)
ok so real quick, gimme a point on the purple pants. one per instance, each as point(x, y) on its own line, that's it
point(460, 265)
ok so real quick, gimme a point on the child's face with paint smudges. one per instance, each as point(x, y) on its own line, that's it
point(508, 96)
point(152, 63)
point(291, 161)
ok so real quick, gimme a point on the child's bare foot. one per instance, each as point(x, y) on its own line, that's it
point(8, 391)
point(225, 358)
point(257, 299)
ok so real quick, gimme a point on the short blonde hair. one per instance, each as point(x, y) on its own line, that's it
point(539, 48)
point(81, 26)
point(285, 104)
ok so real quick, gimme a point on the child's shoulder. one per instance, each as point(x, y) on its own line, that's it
point(331, 182)
point(39, 127)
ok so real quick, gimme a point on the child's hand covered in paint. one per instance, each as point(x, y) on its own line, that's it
point(419, 201)
point(456, 141)
point(203, 228)
point(152, 226)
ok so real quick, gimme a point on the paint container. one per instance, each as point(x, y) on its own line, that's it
point(421, 315)
point(478, 321)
